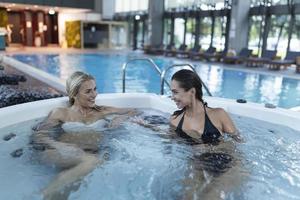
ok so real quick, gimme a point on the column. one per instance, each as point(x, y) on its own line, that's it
point(239, 24)
point(156, 22)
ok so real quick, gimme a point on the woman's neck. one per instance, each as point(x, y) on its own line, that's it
point(194, 108)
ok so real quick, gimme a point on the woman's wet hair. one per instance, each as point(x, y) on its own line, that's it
point(74, 82)
point(187, 80)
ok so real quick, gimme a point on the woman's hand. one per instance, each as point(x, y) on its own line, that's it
point(117, 121)
point(237, 137)
point(139, 121)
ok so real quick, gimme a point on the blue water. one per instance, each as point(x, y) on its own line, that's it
point(140, 77)
point(150, 165)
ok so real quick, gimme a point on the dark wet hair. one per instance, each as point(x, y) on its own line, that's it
point(187, 80)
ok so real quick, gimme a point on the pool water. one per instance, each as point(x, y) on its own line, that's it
point(107, 68)
point(144, 164)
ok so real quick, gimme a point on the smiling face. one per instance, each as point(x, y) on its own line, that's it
point(181, 97)
point(86, 94)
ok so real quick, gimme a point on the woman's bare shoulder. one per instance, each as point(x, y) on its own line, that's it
point(58, 113)
point(174, 119)
point(217, 111)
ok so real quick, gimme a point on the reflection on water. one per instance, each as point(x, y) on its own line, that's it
point(271, 88)
point(251, 83)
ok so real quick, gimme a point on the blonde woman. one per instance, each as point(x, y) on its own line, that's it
point(69, 137)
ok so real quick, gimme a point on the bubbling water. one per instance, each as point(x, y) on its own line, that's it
point(143, 163)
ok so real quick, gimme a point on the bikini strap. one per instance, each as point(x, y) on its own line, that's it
point(181, 122)
point(204, 106)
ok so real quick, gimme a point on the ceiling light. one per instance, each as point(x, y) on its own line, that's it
point(137, 17)
point(51, 11)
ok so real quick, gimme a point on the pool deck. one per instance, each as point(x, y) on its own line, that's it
point(290, 72)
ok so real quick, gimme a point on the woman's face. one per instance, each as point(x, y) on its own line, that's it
point(87, 94)
point(181, 97)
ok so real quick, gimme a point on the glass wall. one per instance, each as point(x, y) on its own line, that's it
point(295, 40)
point(255, 40)
point(167, 31)
point(203, 4)
point(131, 5)
point(179, 32)
point(219, 33)
point(205, 32)
point(178, 3)
point(200, 24)
point(119, 36)
point(190, 32)
point(268, 2)
point(279, 2)
point(142, 33)
point(273, 26)
point(278, 34)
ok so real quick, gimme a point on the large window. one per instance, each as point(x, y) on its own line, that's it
point(131, 5)
point(203, 4)
point(179, 31)
point(167, 31)
point(190, 32)
point(178, 3)
point(219, 33)
point(295, 40)
point(279, 2)
point(205, 32)
point(268, 2)
point(278, 34)
point(255, 34)
point(119, 36)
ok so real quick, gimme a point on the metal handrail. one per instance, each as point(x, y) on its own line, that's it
point(135, 59)
point(162, 77)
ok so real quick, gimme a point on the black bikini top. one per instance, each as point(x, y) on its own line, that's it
point(210, 134)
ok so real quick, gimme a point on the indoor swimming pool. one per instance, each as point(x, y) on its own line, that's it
point(107, 68)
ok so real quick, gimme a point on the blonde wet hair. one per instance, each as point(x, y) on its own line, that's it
point(74, 82)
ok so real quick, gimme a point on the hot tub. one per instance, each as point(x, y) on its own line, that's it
point(147, 166)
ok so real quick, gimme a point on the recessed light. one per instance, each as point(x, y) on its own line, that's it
point(51, 11)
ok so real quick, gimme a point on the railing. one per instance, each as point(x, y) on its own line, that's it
point(162, 77)
point(162, 74)
point(136, 59)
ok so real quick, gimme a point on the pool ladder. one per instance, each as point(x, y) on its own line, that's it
point(161, 74)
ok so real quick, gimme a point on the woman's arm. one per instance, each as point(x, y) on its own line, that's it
point(122, 111)
point(45, 131)
point(228, 126)
point(145, 124)
point(123, 114)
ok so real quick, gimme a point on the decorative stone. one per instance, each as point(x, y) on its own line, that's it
point(269, 105)
point(12, 79)
point(10, 96)
point(9, 136)
point(17, 153)
point(241, 101)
